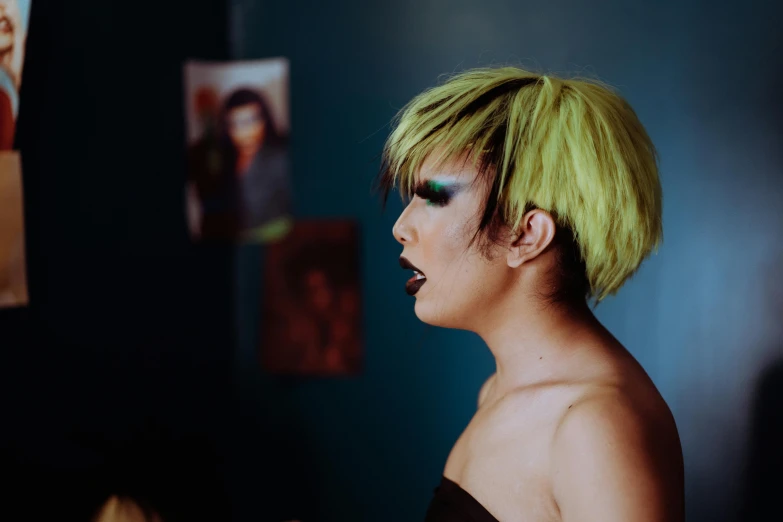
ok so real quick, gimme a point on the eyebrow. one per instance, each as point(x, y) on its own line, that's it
point(440, 182)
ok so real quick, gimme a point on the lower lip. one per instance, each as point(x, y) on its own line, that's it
point(413, 285)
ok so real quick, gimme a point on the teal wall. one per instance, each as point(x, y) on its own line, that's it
point(703, 316)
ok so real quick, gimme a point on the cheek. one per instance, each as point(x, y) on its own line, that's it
point(466, 264)
point(254, 132)
point(242, 134)
point(456, 237)
point(246, 133)
point(444, 242)
point(455, 257)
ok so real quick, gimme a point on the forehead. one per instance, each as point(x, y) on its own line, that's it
point(245, 114)
point(460, 168)
point(248, 108)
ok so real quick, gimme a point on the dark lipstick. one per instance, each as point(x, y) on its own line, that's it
point(414, 283)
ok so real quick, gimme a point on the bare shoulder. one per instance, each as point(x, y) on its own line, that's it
point(616, 455)
point(637, 417)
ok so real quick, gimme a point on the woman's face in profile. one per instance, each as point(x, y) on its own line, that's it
point(246, 127)
point(9, 24)
point(455, 279)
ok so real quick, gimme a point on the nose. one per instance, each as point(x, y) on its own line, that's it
point(404, 231)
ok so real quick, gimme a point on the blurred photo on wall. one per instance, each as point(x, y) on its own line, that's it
point(14, 17)
point(312, 313)
point(13, 272)
point(238, 184)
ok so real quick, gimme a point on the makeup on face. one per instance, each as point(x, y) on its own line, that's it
point(437, 192)
point(246, 128)
point(417, 281)
point(244, 117)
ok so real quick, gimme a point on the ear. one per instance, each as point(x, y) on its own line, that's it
point(535, 233)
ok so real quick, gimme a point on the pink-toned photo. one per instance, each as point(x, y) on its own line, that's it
point(13, 272)
point(14, 16)
point(237, 186)
point(312, 301)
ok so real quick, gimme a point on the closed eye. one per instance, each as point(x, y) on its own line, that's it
point(435, 194)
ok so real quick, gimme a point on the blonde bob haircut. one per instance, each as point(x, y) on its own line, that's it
point(572, 147)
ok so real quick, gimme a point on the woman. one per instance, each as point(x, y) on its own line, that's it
point(256, 165)
point(530, 197)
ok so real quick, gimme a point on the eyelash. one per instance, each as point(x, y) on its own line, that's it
point(432, 197)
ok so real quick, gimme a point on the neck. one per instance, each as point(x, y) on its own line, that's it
point(245, 158)
point(532, 341)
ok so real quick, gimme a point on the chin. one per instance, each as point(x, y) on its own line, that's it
point(431, 314)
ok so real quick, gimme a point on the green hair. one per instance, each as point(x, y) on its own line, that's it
point(572, 147)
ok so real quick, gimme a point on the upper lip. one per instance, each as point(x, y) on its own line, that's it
point(407, 265)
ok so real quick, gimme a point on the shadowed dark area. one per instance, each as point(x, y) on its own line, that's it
point(118, 375)
point(763, 477)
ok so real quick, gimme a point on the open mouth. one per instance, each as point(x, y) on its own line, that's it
point(417, 281)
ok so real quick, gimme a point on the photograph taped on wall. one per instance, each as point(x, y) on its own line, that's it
point(238, 185)
point(312, 301)
point(13, 272)
point(14, 17)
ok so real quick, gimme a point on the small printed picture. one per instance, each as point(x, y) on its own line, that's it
point(238, 184)
point(13, 271)
point(312, 314)
point(14, 17)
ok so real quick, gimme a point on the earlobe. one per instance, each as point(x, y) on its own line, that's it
point(514, 257)
point(536, 232)
point(516, 251)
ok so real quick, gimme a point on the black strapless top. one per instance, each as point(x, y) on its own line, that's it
point(451, 503)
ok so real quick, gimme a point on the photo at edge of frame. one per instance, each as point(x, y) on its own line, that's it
point(13, 270)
